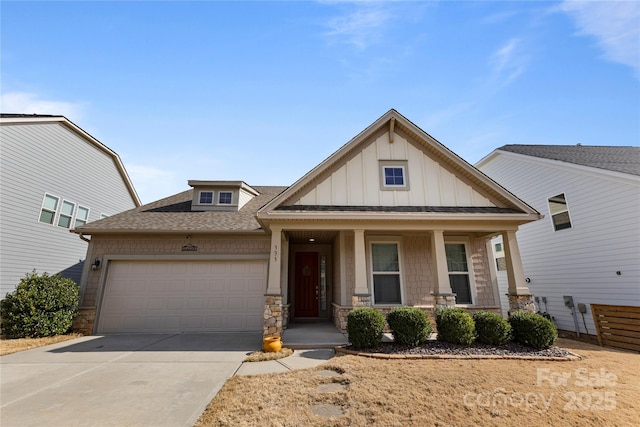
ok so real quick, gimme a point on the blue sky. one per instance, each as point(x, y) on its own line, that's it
point(264, 91)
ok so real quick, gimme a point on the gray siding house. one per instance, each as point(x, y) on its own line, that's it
point(54, 177)
point(588, 245)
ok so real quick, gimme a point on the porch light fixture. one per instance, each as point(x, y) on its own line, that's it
point(96, 264)
point(311, 240)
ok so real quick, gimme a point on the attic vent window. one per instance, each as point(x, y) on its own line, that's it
point(224, 198)
point(206, 197)
point(393, 175)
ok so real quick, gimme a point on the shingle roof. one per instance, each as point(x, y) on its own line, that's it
point(403, 209)
point(624, 159)
point(173, 214)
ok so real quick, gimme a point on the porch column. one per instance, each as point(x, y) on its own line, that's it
point(442, 293)
point(275, 263)
point(284, 281)
point(361, 295)
point(273, 298)
point(520, 297)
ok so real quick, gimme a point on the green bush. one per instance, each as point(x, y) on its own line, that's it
point(455, 326)
point(491, 328)
point(364, 326)
point(40, 306)
point(410, 325)
point(533, 330)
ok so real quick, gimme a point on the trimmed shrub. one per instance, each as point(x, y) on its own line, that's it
point(533, 330)
point(455, 326)
point(491, 328)
point(40, 306)
point(410, 325)
point(364, 327)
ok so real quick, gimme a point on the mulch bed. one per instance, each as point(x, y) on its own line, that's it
point(433, 349)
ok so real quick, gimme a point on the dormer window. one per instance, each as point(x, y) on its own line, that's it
point(206, 197)
point(220, 195)
point(224, 197)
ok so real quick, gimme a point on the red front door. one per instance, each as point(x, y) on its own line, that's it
point(306, 300)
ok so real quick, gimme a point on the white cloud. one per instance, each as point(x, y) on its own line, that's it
point(30, 103)
point(361, 26)
point(615, 26)
point(508, 61)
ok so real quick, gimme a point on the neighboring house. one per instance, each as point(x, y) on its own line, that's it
point(588, 245)
point(54, 177)
point(392, 218)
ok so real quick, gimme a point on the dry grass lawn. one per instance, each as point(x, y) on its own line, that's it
point(603, 389)
point(8, 346)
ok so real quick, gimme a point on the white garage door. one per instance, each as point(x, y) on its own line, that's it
point(183, 296)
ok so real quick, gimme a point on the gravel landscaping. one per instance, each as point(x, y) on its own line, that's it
point(433, 347)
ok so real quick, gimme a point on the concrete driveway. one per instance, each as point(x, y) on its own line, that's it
point(119, 380)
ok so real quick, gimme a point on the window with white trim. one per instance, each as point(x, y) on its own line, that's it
point(459, 277)
point(82, 216)
point(225, 197)
point(49, 209)
point(385, 269)
point(559, 212)
point(66, 214)
point(206, 197)
point(393, 175)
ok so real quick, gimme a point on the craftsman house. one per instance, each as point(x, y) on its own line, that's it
point(391, 218)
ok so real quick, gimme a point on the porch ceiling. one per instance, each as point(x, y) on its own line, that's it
point(305, 236)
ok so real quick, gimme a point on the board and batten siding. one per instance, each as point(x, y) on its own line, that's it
point(50, 158)
point(582, 261)
point(357, 181)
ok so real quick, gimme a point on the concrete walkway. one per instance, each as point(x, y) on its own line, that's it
point(300, 359)
point(119, 380)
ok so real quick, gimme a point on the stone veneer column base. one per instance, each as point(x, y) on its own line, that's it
point(521, 303)
point(84, 320)
point(273, 314)
point(361, 300)
point(444, 300)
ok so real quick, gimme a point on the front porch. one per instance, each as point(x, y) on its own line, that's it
point(319, 275)
point(317, 334)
